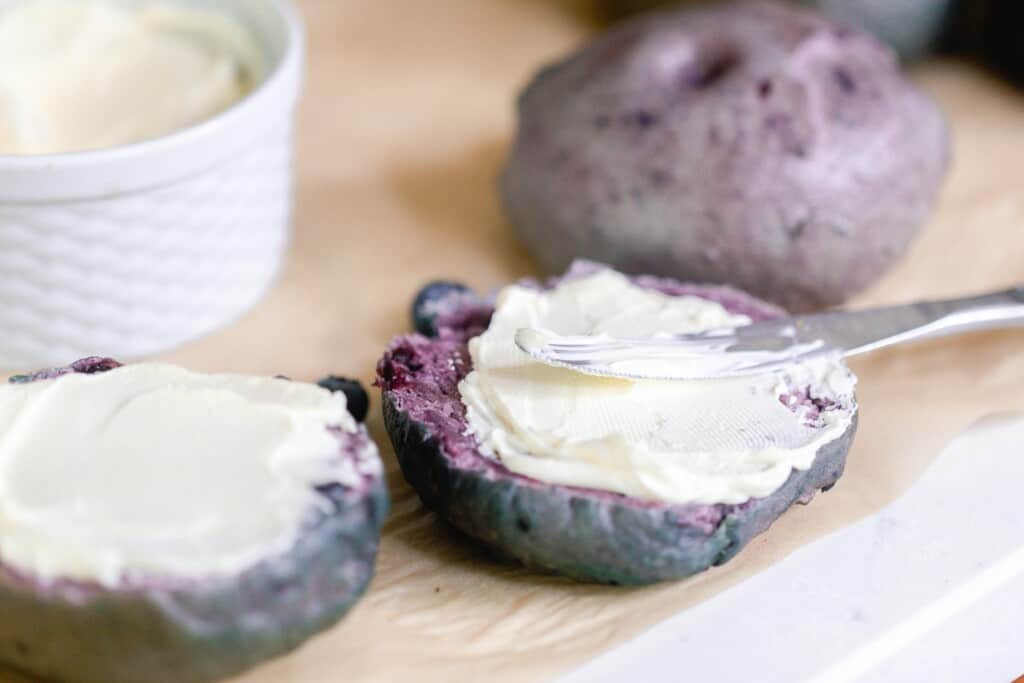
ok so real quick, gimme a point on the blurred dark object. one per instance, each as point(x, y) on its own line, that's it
point(911, 27)
point(993, 32)
point(617, 9)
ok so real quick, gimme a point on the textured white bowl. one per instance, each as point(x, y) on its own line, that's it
point(136, 249)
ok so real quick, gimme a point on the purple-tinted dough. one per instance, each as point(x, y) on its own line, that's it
point(753, 144)
point(583, 533)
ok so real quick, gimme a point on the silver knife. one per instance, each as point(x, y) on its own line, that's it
point(775, 344)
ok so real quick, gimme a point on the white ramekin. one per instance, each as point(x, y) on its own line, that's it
point(136, 249)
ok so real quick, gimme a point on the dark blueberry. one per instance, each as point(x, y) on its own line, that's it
point(710, 68)
point(94, 364)
point(796, 229)
point(660, 177)
point(424, 308)
point(641, 118)
point(845, 81)
point(355, 395)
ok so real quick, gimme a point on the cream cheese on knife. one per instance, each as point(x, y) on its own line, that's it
point(701, 441)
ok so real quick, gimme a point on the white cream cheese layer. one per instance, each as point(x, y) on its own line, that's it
point(710, 441)
point(89, 74)
point(153, 469)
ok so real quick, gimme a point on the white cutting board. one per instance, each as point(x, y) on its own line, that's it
point(931, 588)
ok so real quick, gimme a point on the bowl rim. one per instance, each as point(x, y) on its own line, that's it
point(161, 160)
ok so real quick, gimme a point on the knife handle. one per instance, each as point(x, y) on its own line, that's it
point(881, 327)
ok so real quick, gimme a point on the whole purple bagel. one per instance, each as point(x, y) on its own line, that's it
point(753, 144)
point(586, 534)
point(197, 630)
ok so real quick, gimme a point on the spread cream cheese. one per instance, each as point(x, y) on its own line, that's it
point(701, 441)
point(89, 74)
point(153, 469)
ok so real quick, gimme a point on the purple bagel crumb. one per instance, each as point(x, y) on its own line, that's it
point(812, 406)
point(85, 366)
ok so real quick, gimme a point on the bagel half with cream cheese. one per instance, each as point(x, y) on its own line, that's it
point(159, 524)
point(611, 529)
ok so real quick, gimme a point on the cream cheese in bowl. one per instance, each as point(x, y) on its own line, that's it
point(90, 74)
point(146, 170)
